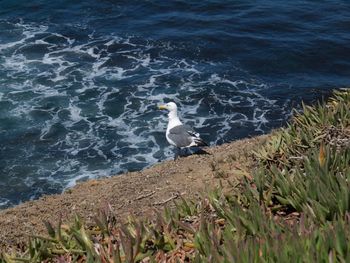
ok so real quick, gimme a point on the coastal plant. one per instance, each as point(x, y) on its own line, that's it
point(305, 167)
point(254, 235)
point(222, 229)
point(321, 186)
point(169, 235)
point(327, 123)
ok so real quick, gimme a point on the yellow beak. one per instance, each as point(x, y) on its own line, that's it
point(162, 107)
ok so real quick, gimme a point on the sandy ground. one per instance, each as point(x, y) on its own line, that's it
point(137, 193)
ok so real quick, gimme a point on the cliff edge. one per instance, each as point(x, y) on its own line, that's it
point(136, 193)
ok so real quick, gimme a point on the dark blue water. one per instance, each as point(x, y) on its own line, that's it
point(80, 80)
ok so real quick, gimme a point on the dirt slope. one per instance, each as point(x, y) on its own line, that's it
point(136, 193)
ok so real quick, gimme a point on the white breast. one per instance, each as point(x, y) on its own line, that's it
point(173, 122)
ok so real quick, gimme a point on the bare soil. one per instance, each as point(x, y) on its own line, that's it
point(136, 193)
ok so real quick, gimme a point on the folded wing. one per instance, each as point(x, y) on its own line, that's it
point(184, 136)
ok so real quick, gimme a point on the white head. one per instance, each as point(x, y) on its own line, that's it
point(171, 107)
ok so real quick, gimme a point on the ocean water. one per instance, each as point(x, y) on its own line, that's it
point(80, 81)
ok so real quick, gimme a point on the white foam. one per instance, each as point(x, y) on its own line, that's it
point(75, 113)
point(3, 202)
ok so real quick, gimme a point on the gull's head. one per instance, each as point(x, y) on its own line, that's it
point(170, 106)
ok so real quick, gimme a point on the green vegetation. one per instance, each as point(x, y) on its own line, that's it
point(294, 209)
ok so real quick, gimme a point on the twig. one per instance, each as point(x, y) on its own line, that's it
point(296, 157)
point(176, 195)
point(145, 195)
point(120, 206)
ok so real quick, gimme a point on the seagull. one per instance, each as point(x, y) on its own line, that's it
point(177, 134)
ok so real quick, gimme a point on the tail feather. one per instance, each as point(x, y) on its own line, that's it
point(200, 142)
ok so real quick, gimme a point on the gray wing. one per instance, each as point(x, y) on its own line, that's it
point(181, 135)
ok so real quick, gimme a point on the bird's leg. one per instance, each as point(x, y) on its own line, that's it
point(177, 153)
point(187, 151)
point(190, 151)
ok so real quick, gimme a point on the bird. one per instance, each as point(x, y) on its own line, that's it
point(178, 134)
